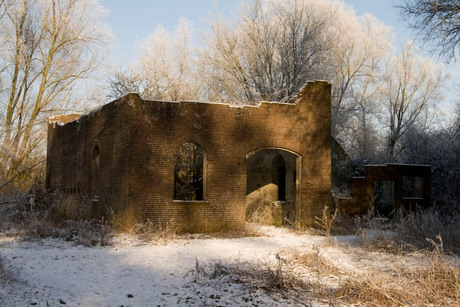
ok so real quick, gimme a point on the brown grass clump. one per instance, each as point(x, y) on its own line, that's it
point(421, 227)
point(435, 285)
point(310, 277)
point(260, 215)
point(249, 230)
point(43, 214)
point(159, 233)
point(409, 231)
point(435, 282)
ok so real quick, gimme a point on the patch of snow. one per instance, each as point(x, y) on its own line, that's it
point(131, 272)
point(134, 273)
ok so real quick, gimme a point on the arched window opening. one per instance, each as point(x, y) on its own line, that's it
point(188, 173)
point(95, 164)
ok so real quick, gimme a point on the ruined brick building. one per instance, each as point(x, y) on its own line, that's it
point(200, 165)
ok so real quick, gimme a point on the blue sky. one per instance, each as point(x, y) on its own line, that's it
point(132, 21)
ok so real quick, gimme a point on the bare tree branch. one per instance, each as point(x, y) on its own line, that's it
point(46, 48)
point(438, 24)
point(19, 173)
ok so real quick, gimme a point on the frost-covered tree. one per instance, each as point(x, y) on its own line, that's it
point(274, 47)
point(437, 22)
point(412, 84)
point(271, 49)
point(439, 148)
point(359, 58)
point(46, 48)
point(164, 69)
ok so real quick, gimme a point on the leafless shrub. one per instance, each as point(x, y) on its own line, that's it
point(276, 278)
point(374, 231)
point(409, 230)
point(95, 232)
point(199, 271)
point(11, 216)
point(37, 213)
point(83, 232)
point(325, 222)
point(372, 221)
point(421, 227)
point(268, 277)
point(219, 270)
point(39, 227)
point(43, 214)
point(343, 225)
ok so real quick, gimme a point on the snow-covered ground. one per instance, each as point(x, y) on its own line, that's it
point(134, 273)
point(183, 272)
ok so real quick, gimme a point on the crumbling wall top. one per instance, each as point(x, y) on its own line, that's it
point(64, 119)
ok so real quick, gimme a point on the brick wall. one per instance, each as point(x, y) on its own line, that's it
point(69, 154)
point(138, 140)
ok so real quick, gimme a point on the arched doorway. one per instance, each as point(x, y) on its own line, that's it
point(272, 181)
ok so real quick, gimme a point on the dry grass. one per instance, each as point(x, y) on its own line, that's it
point(249, 230)
point(303, 277)
point(260, 215)
point(159, 233)
point(326, 221)
point(40, 215)
point(343, 225)
point(436, 282)
point(409, 231)
point(421, 227)
point(95, 232)
point(311, 278)
point(44, 214)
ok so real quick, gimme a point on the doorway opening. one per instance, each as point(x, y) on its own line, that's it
point(272, 180)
